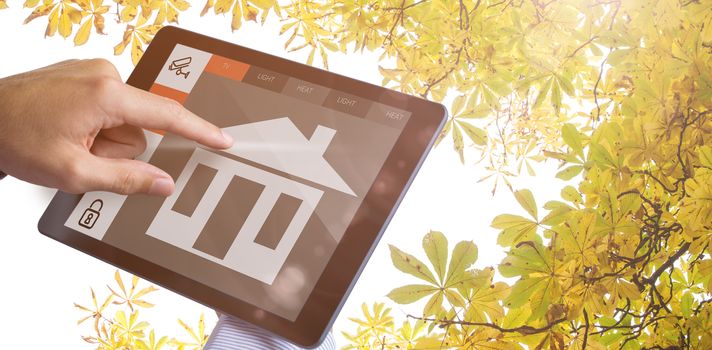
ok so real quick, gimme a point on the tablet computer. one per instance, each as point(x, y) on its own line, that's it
point(276, 229)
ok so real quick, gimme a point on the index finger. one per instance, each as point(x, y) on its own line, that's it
point(143, 109)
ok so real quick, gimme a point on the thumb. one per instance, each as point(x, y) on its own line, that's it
point(126, 176)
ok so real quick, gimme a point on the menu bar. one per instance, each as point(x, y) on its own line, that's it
point(266, 79)
point(185, 65)
point(347, 103)
point(306, 91)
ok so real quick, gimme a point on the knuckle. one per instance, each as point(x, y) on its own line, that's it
point(104, 86)
point(103, 65)
point(124, 182)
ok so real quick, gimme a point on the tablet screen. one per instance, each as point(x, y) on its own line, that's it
point(258, 221)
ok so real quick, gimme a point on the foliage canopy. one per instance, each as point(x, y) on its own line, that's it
point(617, 92)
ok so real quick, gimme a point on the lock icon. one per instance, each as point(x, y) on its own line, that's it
point(90, 215)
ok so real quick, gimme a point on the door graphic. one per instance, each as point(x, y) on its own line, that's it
point(243, 217)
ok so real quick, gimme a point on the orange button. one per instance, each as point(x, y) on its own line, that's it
point(228, 68)
point(173, 94)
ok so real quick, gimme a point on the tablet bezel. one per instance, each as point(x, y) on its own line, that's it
point(359, 240)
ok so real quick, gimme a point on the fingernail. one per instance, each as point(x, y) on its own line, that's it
point(161, 187)
point(228, 139)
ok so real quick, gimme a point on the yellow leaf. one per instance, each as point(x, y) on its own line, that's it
point(434, 305)
point(208, 5)
point(411, 293)
point(571, 136)
point(65, 25)
point(40, 11)
point(514, 228)
point(119, 49)
point(477, 135)
point(142, 303)
point(83, 33)
point(411, 265)
point(136, 51)
point(463, 256)
point(705, 153)
point(75, 16)
point(223, 6)
point(435, 247)
point(30, 3)
point(128, 14)
point(180, 5)
point(458, 143)
point(236, 16)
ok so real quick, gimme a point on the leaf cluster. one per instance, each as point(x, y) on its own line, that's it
point(116, 324)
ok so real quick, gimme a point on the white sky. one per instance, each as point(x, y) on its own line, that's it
point(40, 278)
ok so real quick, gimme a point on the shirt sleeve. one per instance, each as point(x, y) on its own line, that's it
point(233, 334)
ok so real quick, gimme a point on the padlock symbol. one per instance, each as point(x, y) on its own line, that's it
point(90, 215)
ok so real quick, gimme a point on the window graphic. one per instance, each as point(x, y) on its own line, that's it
point(256, 236)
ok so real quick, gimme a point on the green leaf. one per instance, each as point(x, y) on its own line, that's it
point(514, 228)
point(463, 256)
point(480, 111)
point(526, 258)
point(570, 172)
point(526, 200)
point(572, 138)
point(566, 86)
point(601, 156)
point(538, 283)
point(458, 143)
point(434, 305)
point(477, 135)
point(454, 298)
point(557, 212)
point(686, 304)
point(572, 195)
point(436, 248)
point(556, 95)
point(458, 104)
point(705, 153)
point(411, 293)
point(411, 265)
point(541, 96)
point(618, 56)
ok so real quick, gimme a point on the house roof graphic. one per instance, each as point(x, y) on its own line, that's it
point(279, 144)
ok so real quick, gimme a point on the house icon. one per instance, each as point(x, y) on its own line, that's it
point(247, 215)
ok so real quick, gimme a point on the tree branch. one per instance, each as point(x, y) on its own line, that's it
point(524, 330)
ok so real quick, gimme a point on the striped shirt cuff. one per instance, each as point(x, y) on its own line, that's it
point(232, 334)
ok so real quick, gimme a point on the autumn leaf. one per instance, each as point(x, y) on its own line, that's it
point(435, 246)
point(411, 265)
point(94, 11)
point(136, 37)
point(62, 16)
point(168, 10)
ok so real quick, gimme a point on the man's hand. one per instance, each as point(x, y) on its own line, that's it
point(75, 126)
